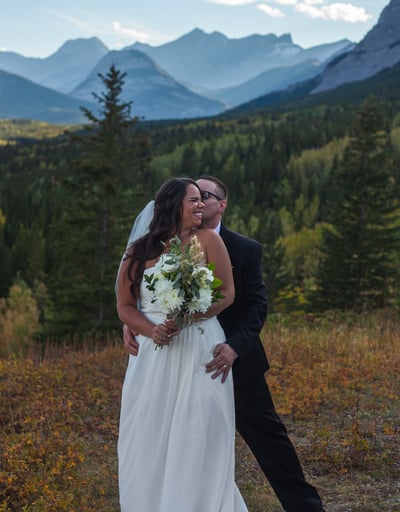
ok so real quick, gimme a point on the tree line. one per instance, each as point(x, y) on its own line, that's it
point(318, 187)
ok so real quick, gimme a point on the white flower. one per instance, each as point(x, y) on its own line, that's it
point(167, 297)
point(202, 303)
point(204, 274)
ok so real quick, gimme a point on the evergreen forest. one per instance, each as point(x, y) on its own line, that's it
point(318, 186)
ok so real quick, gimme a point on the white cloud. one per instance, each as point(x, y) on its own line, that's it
point(316, 9)
point(130, 33)
point(309, 10)
point(232, 2)
point(285, 2)
point(333, 12)
point(271, 11)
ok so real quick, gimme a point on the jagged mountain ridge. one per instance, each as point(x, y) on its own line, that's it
point(214, 61)
point(379, 49)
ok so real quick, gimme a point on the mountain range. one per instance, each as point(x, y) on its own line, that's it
point(371, 68)
point(213, 61)
point(194, 76)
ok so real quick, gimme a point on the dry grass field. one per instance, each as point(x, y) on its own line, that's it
point(335, 381)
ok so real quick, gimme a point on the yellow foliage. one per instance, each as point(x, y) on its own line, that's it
point(335, 378)
point(344, 372)
point(19, 319)
point(55, 415)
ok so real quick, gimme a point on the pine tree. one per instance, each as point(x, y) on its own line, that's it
point(358, 270)
point(6, 274)
point(103, 194)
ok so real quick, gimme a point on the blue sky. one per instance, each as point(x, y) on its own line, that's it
point(37, 28)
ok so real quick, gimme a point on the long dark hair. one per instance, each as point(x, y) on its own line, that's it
point(167, 222)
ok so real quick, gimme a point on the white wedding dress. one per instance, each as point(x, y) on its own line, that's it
point(177, 432)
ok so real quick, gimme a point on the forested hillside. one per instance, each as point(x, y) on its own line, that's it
point(285, 176)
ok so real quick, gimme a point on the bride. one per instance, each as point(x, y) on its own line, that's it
point(177, 432)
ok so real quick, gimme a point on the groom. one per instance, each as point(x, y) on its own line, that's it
point(256, 419)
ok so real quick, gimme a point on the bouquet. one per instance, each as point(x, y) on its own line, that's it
point(182, 282)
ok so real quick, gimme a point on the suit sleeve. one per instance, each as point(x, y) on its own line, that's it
point(250, 310)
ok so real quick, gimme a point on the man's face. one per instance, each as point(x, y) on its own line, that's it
point(213, 206)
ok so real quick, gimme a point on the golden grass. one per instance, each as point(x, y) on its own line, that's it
point(335, 383)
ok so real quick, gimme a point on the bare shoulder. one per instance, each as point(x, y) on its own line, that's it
point(212, 244)
point(206, 235)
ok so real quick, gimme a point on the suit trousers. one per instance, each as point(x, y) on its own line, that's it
point(265, 434)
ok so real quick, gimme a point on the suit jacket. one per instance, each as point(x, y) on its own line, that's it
point(244, 319)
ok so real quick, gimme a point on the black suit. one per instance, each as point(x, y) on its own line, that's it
point(256, 418)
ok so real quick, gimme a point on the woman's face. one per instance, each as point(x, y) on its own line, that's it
point(192, 207)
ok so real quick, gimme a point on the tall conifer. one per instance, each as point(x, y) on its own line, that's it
point(358, 270)
point(104, 195)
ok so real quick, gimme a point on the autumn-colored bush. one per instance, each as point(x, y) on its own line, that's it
point(19, 319)
point(59, 420)
point(334, 380)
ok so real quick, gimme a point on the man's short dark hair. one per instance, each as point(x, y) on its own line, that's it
point(221, 187)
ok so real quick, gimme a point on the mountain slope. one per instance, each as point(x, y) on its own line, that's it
point(385, 85)
point(63, 70)
point(271, 80)
point(21, 98)
point(379, 49)
point(295, 70)
point(155, 93)
point(324, 52)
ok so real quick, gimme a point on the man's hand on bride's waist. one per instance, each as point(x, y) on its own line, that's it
point(224, 357)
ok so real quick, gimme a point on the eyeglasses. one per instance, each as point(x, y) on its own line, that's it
point(206, 195)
